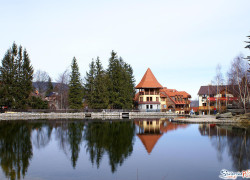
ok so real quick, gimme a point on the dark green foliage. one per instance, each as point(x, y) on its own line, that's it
point(50, 87)
point(101, 97)
point(96, 89)
point(113, 138)
point(89, 84)
point(113, 88)
point(121, 83)
point(37, 103)
point(15, 149)
point(75, 137)
point(75, 87)
point(16, 74)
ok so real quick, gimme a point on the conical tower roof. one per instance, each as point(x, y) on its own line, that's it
point(148, 81)
point(149, 140)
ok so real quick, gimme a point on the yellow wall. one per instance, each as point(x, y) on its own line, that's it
point(153, 97)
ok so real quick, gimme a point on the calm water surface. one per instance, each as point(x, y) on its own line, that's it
point(121, 150)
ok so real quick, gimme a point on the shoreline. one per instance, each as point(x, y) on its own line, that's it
point(83, 115)
point(118, 115)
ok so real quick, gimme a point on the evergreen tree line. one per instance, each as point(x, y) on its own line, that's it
point(103, 88)
point(112, 88)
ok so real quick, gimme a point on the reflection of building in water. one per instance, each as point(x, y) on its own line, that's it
point(150, 131)
point(214, 130)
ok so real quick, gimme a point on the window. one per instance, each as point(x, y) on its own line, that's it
point(147, 106)
point(150, 98)
point(151, 106)
point(147, 98)
point(141, 99)
point(157, 99)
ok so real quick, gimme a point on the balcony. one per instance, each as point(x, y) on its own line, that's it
point(206, 107)
point(182, 109)
point(149, 102)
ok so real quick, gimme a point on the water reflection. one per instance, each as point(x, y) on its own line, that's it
point(150, 130)
point(42, 135)
point(15, 149)
point(235, 139)
point(113, 138)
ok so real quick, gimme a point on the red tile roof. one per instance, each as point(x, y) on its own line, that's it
point(148, 81)
point(172, 93)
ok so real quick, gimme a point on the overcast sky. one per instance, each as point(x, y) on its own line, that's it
point(182, 41)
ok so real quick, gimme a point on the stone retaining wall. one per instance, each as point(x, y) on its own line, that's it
point(91, 115)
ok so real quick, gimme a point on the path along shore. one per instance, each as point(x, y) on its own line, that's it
point(82, 115)
point(118, 115)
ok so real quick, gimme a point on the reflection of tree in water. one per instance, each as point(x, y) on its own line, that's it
point(42, 135)
point(75, 138)
point(237, 140)
point(15, 148)
point(239, 148)
point(113, 138)
point(69, 136)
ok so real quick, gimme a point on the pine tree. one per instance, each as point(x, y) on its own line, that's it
point(89, 84)
point(101, 98)
point(26, 78)
point(50, 87)
point(121, 83)
point(7, 79)
point(129, 87)
point(75, 87)
point(114, 74)
point(16, 75)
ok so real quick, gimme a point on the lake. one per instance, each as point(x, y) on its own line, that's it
point(139, 149)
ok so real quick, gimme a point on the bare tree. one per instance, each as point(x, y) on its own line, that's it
point(62, 89)
point(239, 78)
point(41, 78)
point(219, 81)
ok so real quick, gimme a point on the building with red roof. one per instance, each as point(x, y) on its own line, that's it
point(153, 97)
point(148, 97)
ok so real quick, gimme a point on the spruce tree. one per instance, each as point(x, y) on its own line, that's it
point(50, 87)
point(89, 84)
point(129, 86)
point(121, 83)
point(101, 98)
point(75, 87)
point(115, 77)
point(16, 75)
point(26, 78)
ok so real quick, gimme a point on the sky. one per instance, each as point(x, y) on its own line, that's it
point(181, 41)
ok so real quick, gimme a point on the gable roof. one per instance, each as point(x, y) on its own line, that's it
point(148, 81)
point(212, 89)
